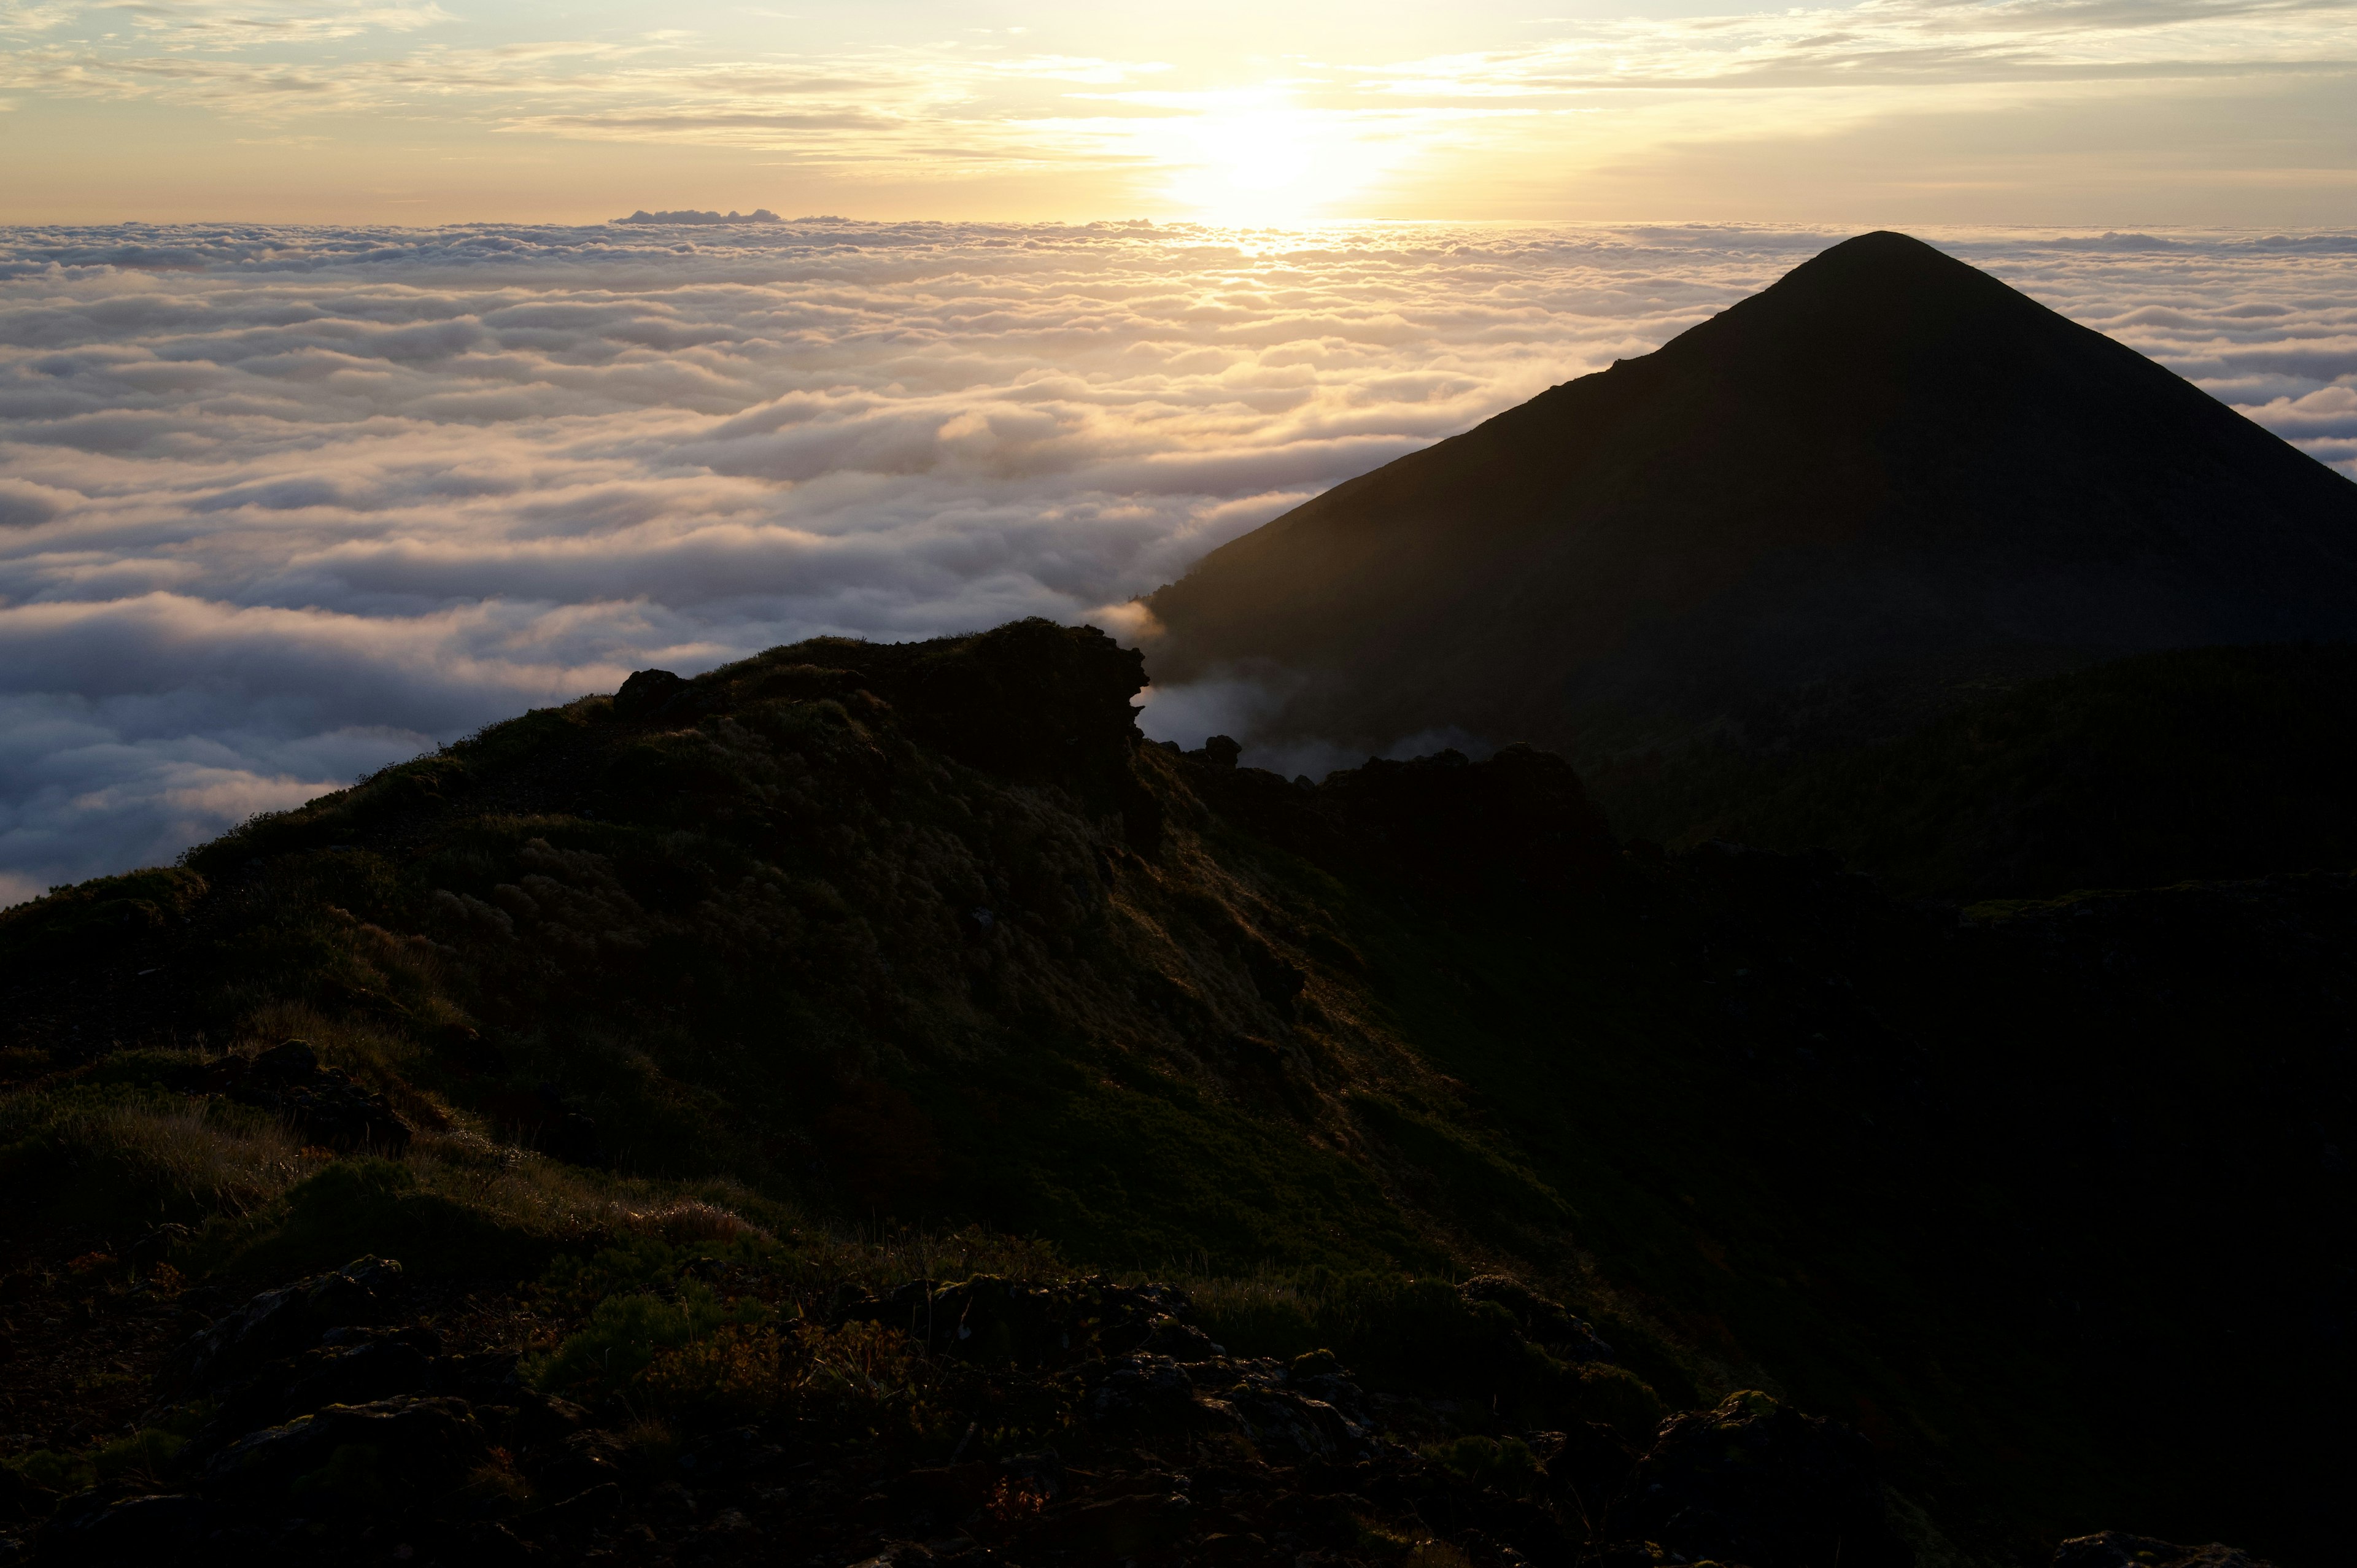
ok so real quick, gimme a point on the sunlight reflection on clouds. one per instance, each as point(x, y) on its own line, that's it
point(282, 505)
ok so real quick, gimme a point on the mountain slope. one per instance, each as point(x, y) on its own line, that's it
point(1885, 474)
point(847, 934)
point(2197, 764)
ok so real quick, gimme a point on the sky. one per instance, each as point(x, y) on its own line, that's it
point(339, 417)
point(280, 505)
point(2100, 113)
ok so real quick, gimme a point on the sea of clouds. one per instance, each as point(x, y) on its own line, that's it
point(280, 505)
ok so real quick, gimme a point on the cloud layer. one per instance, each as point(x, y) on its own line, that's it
point(279, 506)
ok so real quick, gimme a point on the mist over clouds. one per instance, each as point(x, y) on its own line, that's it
point(280, 505)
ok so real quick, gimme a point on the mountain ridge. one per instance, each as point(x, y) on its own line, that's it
point(844, 932)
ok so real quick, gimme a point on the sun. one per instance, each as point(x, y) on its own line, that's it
point(1259, 160)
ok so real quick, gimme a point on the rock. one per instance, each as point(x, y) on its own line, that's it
point(590, 1460)
point(1588, 1463)
point(578, 1512)
point(538, 1419)
point(291, 1061)
point(1288, 1427)
point(729, 1457)
point(1143, 1393)
point(1220, 751)
point(288, 1321)
point(346, 1116)
point(1180, 1341)
point(353, 1455)
point(671, 1501)
point(158, 1244)
point(350, 1366)
point(732, 1525)
point(1755, 1482)
point(900, 1554)
point(2112, 1549)
point(1042, 1473)
point(358, 1374)
point(1346, 1397)
point(647, 693)
point(489, 1542)
point(488, 1378)
point(321, 1104)
point(940, 1499)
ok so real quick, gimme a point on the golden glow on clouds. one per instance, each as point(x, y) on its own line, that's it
point(1086, 114)
point(282, 505)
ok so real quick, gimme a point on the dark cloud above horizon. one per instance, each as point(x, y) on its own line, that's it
point(280, 505)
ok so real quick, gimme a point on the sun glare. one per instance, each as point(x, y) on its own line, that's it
point(1258, 159)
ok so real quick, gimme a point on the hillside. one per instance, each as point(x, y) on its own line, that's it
point(2200, 764)
point(672, 1041)
point(1817, 515)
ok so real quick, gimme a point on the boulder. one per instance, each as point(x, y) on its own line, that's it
point(320, 1103)
point(288, 1062)
point(1588, 1466)
point(352, 1457)
point(1180, 1341)
point(647, 693)
point(288, 1321)
point(1139, 1395)
point(1288, 1427)
point(358, 1374)
point(586, 1460)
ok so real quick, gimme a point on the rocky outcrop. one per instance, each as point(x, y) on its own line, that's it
point(2113, 1548)
point(1757, 1482)
point(336, 1425)
point(320, 1104)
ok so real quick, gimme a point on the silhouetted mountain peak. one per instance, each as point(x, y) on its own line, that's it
point(1889, 471)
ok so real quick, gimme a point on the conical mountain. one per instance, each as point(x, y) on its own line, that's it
point(1882, 479)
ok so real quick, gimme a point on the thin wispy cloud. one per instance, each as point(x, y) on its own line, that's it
point(1357, 122)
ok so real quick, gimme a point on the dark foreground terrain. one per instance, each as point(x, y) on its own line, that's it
point(864, 1103)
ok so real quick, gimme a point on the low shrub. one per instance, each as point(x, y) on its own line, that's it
point(1505, 1463)
point(144, 1457)
point(627, 1333)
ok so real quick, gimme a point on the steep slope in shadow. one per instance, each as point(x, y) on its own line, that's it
point(1886, 473)
point(2195, 763)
